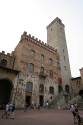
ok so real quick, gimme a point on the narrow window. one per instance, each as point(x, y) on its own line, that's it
point(31, 68)
point(29, 87)
point(51, 74)
point(33, 53)
point(41, 88)
point(65, 67)
point(42, 58)
point(67, 88)
point(64, 58)
point(60, 89)
point(42, 70)
point(51, 90)
point(50, 61)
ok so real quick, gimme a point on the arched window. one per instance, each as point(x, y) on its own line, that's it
point(60, 89)
point(50, 61)
point(42, 58)
point(42, 70)
point(29, 87)
point(51, 90)
point(3, 62)
point(41, 88)
point(67, 88)
point(60, 80)
point(30, 68)
point(32, 53)
point(51, 73)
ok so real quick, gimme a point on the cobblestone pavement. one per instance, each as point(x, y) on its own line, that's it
point(42, 117)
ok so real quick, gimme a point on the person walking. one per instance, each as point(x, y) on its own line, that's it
point(12, 111)
point(72, 109)
point(75, 112)
point(6, 112)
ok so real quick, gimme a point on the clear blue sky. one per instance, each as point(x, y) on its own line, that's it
point(33, 16)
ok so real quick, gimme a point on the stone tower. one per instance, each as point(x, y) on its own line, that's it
point(56, 38)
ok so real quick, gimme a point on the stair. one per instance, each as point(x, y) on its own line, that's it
point(58, 102)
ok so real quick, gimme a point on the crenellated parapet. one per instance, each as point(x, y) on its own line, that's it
point(36, 41)
point(6, 60)
point(5, 54)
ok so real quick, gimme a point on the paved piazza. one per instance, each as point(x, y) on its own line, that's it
point(42, 117)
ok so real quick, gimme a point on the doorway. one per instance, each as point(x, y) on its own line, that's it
point(81, 93)
point(6, 87)
point(28, 100)
point(41, 100)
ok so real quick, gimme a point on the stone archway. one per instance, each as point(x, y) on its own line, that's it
point(6, 87)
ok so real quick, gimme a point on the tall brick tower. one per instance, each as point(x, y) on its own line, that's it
point(56, 38)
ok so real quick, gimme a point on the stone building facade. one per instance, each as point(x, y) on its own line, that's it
point(7, 77)
point(36, 70)
point(75, 86)
point(40, 75)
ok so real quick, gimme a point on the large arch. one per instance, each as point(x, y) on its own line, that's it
point(6, 87)
point(81, 93)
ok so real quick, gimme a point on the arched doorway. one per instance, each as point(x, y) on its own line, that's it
point(6, 87)
point(81, 93)
point(41, 96)
point(28, 97)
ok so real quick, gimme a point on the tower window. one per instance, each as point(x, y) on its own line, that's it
point(51, 29)
point(63, 50)
point(65, 67)
point(60, 89)
point(67, 88)
point(64, 58)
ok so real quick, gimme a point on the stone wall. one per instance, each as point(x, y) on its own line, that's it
point(23, 56)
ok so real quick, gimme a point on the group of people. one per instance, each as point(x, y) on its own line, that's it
point(75, 112)
point(36, 106)
point(9, 111)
